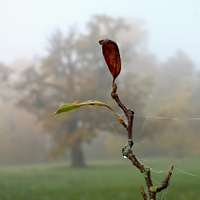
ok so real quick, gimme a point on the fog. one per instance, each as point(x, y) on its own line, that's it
point(26, 26)
point(159, 80)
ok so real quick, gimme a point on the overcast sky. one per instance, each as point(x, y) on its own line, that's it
point(26, 25)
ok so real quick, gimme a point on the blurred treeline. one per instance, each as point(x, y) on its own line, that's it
point(164, 97)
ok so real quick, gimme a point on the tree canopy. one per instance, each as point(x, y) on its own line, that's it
point(74, 70)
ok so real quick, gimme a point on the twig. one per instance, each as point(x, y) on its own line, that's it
point(127, 152)
point(129, 114)
point(143, 193)
point(165, 183)
point(112, 58)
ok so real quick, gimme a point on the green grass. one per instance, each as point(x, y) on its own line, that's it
point(99, 181)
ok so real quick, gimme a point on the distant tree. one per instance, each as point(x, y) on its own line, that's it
point(19, 144)
point(194, 103)
point(177, 91)
point(196, 93)
point(5, 73)
point(73, 69)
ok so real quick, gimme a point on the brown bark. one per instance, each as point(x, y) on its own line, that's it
point(127, 152)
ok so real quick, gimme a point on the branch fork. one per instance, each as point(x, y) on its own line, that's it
point(128, 153)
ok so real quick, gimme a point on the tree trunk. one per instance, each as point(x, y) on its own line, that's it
point(77, 157)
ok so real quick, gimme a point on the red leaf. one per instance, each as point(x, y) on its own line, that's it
point(112, 56)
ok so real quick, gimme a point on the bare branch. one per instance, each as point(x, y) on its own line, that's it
point(165, 183)
point(143, 193)
point(127, 152)
point(129, 113)
point(112, 58)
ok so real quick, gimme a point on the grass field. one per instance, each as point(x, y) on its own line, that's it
point(106, 180)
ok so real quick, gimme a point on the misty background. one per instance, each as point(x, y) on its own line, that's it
point(49, 55)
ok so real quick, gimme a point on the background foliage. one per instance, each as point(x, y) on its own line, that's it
point(73, 69)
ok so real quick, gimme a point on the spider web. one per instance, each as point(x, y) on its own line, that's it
point(160, 167)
